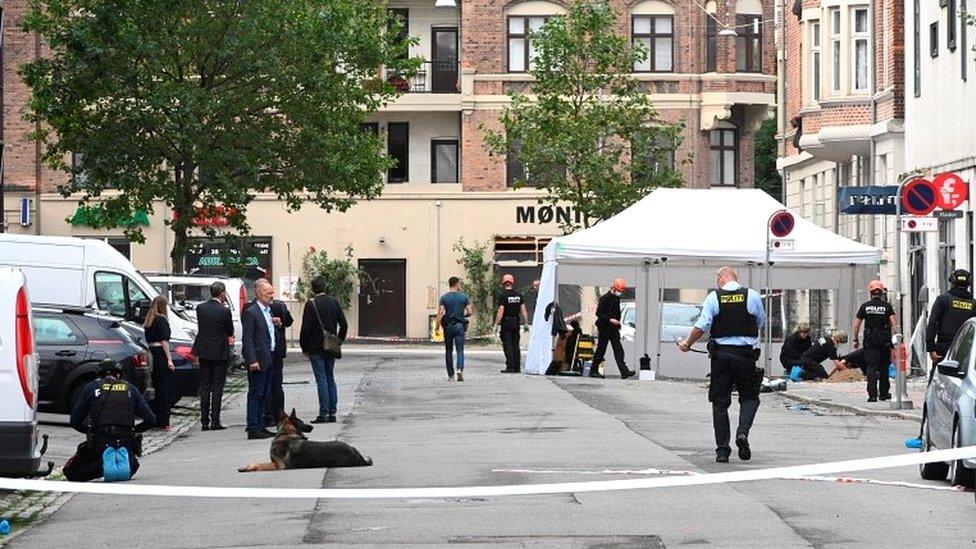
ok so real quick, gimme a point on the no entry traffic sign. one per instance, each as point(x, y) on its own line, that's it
point(952, 190)
point(781, 224)
point(918, 197)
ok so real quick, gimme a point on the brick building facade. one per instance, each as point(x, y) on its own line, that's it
point(842, 121)
point(712, 66)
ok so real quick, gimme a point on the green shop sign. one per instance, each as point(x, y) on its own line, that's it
point(96, 217)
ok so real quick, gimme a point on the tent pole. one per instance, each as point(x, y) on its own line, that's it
point(662, 282)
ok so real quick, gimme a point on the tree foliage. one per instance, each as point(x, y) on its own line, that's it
point(479, 282)
point(767, 176)
point(587, 133)
point(204, 103)
point(340, 275)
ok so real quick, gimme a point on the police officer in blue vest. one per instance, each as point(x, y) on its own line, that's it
point(733, 315)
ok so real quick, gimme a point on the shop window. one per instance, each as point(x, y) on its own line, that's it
point(512, 250)
point(398, 147)
point(656, 33)
point(723, 157)
point(947, 251)
point(444, 161)
point(916, 269)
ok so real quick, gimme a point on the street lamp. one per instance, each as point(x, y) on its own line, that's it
point(445, 3)
point(727, 31)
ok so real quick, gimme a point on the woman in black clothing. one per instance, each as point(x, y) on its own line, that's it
point(157, 336)
point(794, 346)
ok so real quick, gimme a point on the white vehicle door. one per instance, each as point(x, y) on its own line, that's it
point(949, 388)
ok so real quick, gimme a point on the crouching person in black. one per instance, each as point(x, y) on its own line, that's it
point(823, 349)
point(106, 413)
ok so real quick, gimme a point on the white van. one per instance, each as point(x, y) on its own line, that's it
point(85, 273)
point(20, 455)
point(190, 290)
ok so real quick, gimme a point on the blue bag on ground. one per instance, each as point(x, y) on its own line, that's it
point(796, 374)
point(891, 371)
point(115, 464)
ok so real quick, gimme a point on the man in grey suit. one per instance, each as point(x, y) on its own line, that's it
point(212, 347)
point(258, 347)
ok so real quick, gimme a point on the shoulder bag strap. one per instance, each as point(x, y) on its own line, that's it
point(315, 307)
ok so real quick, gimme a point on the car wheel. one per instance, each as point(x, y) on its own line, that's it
point(959, 474)
point(936, 470)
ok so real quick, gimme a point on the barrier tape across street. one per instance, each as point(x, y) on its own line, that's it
point(818, 469)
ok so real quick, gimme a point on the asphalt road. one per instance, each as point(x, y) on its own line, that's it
point(422, 430)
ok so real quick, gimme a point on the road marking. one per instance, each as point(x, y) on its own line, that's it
point(817, 469)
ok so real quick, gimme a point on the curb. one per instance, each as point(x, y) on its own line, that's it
point(849, 407)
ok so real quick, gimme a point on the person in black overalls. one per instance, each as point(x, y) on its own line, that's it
point(949, 312)
point(879, 321)
point(106, 413)
point(823, 349)
point(510, 317)
point(608, 330)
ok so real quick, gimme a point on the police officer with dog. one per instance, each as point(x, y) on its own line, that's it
point(879, 321)
point(949, 312)
point(106, 412)
point(510, 317)
point(733, 315)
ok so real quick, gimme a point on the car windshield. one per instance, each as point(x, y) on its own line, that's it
point(680, 314)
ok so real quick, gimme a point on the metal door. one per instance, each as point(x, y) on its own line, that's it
point(382, 298)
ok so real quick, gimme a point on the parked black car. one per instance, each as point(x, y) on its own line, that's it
point(71, 342)
point(186, 378)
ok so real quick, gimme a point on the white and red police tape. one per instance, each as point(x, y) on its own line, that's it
point(792, 472)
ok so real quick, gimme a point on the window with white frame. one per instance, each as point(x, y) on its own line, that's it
point(815, 59)
point(656, 33)
point(521, 53)
point(835, 49)
point(860, 52)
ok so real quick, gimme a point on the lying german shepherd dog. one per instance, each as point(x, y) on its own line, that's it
point(292, 450)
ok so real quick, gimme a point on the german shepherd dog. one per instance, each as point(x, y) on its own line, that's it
point(292, 450)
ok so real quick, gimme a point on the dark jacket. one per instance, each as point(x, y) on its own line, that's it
point(608, 308)
point(793, 348)
point(215, 325)
point(945, 319)
point(280, 310)
point(333, 320)
point(82, 409)
point(255, 341)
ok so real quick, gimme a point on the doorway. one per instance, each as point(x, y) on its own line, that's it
point(383, 298)
point(444, 60)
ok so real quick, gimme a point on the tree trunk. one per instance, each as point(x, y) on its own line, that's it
point(183, 219)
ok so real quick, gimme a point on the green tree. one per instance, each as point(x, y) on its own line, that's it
point(340, 275)
point(588, 135)
point(767, 176)
point(201, 104)
point(479, 282)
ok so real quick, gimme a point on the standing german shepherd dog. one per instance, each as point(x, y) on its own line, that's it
point(292, 450)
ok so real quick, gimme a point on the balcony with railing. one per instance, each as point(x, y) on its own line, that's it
point(435, 76)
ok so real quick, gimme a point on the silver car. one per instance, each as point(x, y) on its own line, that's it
point(949, 408)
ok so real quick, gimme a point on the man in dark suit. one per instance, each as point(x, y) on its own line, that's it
point(258, 348)
point(212, 347)
point(274, 409)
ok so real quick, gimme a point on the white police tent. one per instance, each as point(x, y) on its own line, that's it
point(678, 238)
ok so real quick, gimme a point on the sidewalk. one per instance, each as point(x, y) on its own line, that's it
point(852, 396)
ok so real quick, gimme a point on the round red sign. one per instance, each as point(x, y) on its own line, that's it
point(781, 224)
point(918, 197)
point(951, 190)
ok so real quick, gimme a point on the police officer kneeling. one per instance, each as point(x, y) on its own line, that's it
point(949, 312)
point(106, 413)
point(733, 316)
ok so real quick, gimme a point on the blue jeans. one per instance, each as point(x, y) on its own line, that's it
point(258, 387)
point(324, 369)
point(454, 340)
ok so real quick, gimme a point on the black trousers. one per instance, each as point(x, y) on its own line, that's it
point(274, 408)
point(813, 371)
point(86, 464)
point(733, 367)
point(611, 336)
point(162, 379)
point(511, 340)
point(213, 376)
point(878, 359)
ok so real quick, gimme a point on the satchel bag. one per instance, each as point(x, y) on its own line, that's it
point(331, 345)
